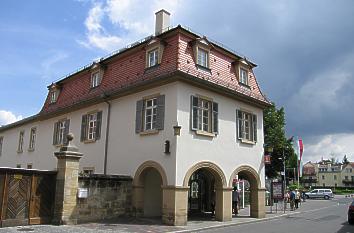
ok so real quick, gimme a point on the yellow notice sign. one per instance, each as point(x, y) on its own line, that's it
point(18, 177)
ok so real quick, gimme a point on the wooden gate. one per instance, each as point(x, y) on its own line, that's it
point(26, 196)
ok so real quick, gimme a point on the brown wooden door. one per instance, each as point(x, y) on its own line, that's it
point(42, 199)
point(16, 205)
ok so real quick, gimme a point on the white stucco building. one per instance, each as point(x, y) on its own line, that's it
point(126, 109)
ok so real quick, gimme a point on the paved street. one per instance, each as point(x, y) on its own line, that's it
point(314, 216)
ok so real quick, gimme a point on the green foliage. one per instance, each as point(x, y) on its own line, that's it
point(274, 137)
point(295, 186)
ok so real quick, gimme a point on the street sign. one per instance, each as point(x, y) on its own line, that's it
point(267, 159)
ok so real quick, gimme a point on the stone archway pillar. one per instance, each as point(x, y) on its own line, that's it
point(174, 205)
point(223, 204)
point(138, 200)
point(258, 203)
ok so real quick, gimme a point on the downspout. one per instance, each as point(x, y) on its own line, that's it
point(107, 137)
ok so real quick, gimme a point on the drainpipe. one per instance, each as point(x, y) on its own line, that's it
point(107, 138)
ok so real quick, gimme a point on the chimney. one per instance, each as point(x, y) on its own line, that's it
point(162, 21)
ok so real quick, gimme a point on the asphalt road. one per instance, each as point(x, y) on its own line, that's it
point(315, 216)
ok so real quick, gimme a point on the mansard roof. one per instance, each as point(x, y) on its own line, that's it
point(124, 72)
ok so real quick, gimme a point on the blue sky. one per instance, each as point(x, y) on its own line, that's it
point(304, 50)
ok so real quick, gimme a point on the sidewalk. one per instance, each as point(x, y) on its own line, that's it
point(148, 225)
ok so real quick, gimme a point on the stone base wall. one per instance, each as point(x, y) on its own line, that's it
point(109, 196)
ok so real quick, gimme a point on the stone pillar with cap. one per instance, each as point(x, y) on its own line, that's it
point(67, 183)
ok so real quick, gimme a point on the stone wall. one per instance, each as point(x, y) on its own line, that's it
point(109, 196)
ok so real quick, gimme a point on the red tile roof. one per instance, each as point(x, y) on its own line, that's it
point(128, 68)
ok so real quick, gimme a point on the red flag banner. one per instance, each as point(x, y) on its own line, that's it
point(267, 159)
point(301, 148)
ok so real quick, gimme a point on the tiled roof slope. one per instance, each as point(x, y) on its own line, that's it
point(128, 69)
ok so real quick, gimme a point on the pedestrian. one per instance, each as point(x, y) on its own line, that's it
point(286, 199)
point(213, 203)
point(292, 199)
point(235, 200)
point(297, 198)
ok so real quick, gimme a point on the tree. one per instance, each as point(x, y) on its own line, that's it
point(274, 137)
point(345, 160)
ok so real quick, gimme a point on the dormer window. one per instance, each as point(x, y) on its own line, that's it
point(153, 57)
point(243, 76)
point(154, 52)
point(53, 96)
point(95, 79)
point(203, 57)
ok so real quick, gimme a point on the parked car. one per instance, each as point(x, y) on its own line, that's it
point(320, 193)
point(351, 213)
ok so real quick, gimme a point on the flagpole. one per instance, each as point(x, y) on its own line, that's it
point(297, 163)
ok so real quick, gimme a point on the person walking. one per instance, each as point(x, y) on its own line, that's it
point(292, 199)
point(297, 198)
point(235, 200)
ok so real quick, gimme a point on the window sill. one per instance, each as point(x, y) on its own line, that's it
point(151, 68)
point(30, 149)
point(244, 85)
point(19, 151)
point(247, 141)
point(203, 68)
point(204, 133)
point(89, 141)
point(95, 87)
point(148, 132)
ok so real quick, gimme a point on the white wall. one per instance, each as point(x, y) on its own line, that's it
point(128, 150)
point(43, 155)
point(224, 150)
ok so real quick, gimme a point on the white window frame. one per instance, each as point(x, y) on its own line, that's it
point(153, 57)
point(95, 79)
point(53, 96)
point(150, 114)
point(243, 76)
point(33, 135)
point(91, 126)
point(61, 132)
point(203, 57)
point(204, 115)
point(20, 141)
point(1, 144)
point(247, 126)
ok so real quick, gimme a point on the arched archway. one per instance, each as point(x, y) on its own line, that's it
point(208, 191)
point(257, 194)
point(147, 189)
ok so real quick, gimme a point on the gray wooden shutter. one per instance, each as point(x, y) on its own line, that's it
point(66, 131)
point(160, 116)
point(254, 122)
point(83, 128)
point(55, 133)
point(194, 112)
point(239, 124)
point(139, 116)
point(98, 126)
point(215, 118)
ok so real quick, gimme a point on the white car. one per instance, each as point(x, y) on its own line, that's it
point(320, 193)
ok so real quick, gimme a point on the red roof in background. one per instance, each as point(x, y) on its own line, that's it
point(128, 69)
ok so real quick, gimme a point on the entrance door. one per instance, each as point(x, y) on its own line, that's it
point(16, 208)
point(200, 193)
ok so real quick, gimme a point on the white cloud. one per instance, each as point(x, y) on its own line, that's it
point(47, 71)
point(7, 117)
point(133, 19)
point(328, 145)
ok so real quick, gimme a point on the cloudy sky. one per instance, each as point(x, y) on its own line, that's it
point(304, 51)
